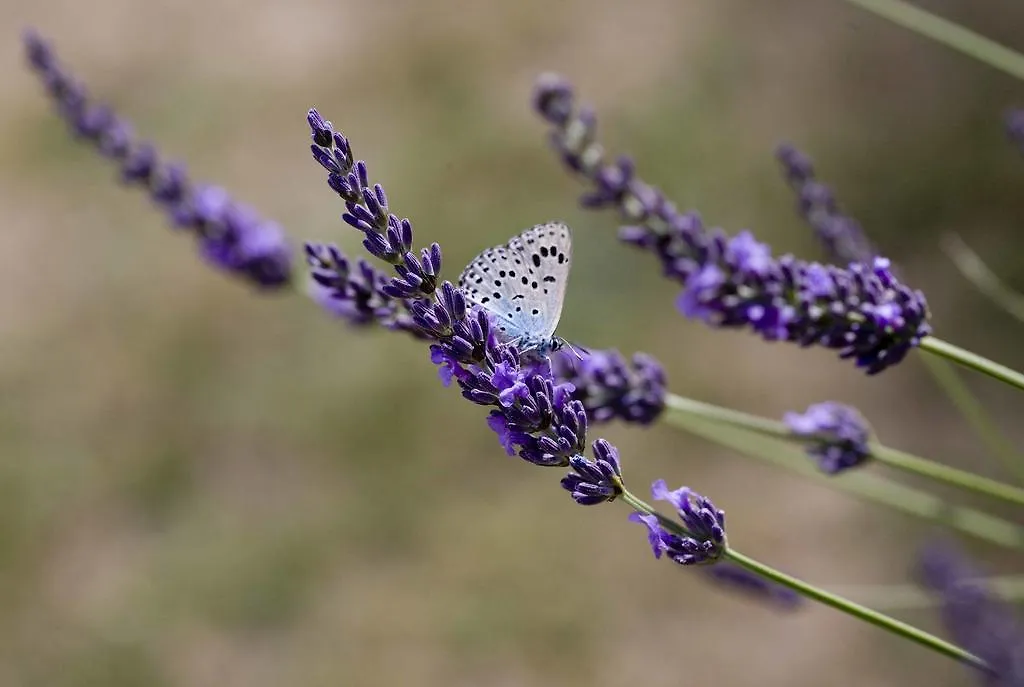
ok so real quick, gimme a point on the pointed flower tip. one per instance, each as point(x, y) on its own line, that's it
point(704, 523)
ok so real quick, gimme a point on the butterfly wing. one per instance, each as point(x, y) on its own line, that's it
point(523, 282)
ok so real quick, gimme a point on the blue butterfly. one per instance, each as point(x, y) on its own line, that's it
point(522, 285)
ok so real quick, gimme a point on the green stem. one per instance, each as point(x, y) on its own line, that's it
point(973, 269)
point(943, 473)
point(907, 597)
point(972, 410)
point(880, 620)
point(894, 458)
point(779, 452)
point(973, 361)
point(822, 596)
point(948, 33)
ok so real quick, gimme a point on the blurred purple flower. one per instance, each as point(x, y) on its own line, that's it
point(732, 577)
point(978, 620)
point(838, 435)
point(611, 387)
point(232, 236)
point(1015, 128)
point(863, 311)
point(841, 236)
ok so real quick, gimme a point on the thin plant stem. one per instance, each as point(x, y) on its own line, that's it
point(908, 597)
point(872, 488)
point(900, 460)
point(973, 269)
point(961, 356)
point(975, 414)
point(809, 591)
point(948, 33)
point(880, 620)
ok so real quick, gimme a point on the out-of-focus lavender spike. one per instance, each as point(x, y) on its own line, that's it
point(1015, 128)
point(610, 387)
point(231, 236)
point(977, 620)
point(863, 311)
point(838, 434)
point(841, 236)
point(732, 577)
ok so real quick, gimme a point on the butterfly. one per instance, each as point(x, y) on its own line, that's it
point(522, 285)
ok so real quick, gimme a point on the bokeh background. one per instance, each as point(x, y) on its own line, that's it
point(204, 486)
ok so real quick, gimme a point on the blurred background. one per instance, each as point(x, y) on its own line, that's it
point(204, 486)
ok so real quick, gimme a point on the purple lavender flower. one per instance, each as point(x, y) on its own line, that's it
point(842, 236)
point(979, 621)
point(611, 387)
point(354, 292)
point(231, 235)
point(838, 435)
point(704, 523)
point(864, 312)
point(385, 236)
point(595, 481)
point(1015, 128)
point(734, 577)
point(533, 415)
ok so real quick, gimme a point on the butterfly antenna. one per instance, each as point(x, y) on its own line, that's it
point(574, 351)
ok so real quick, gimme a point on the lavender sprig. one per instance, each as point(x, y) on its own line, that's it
point(356, 292)
point(533, 415)
point(864, 312)
point(839, 435)
point(841, 235)
point(1015, 128)
point(704, 541)
point(231, 235)
point(610, 387)
point(978, 621)
point(739, 579)
point(845, 242)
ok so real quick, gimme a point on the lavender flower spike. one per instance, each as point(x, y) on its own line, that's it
point(533, 415)
point(611, 387)
point(231, 236)
point(705, 524)
point(838, 433)
point(1015, 128)
point(863, 312)
point(842, 236)
point(739, 579)
point(977, 620)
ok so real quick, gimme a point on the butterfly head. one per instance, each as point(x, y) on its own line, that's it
point(532, 350)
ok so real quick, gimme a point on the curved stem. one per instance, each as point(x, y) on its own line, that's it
point(910, 463)
point(973, 269)
point(880, 620)
point(974, 413)
point(778, 451)
point(908, 597)
point(948, 33)
point(894, 458)
point(961, 356)
point(872, 617)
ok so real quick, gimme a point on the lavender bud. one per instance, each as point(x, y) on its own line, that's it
point(839, 435)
